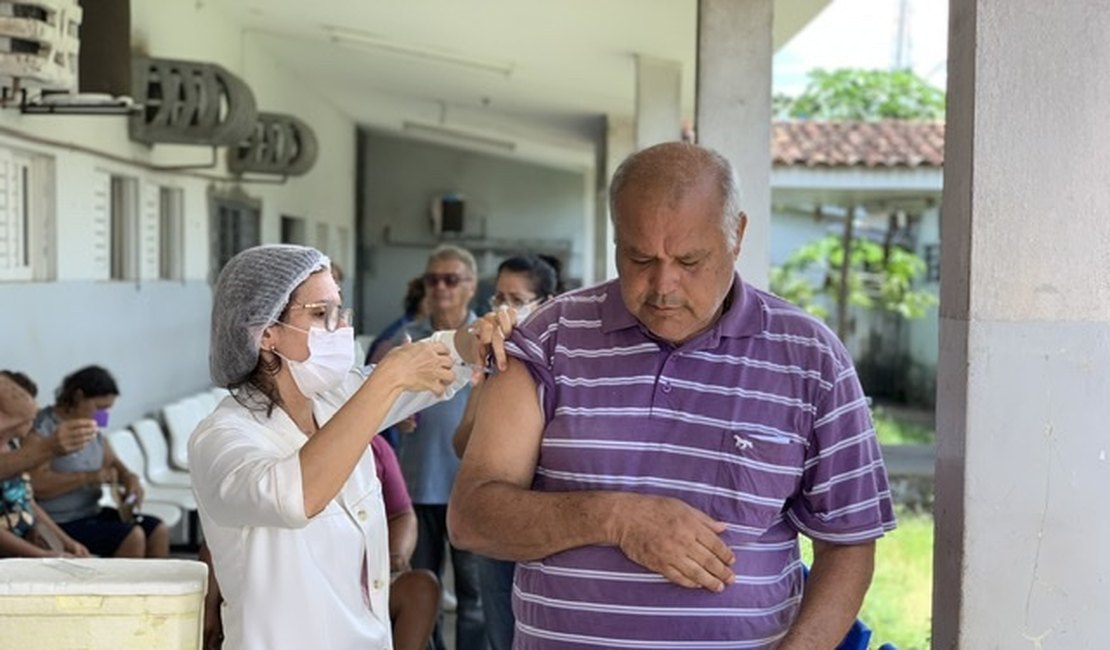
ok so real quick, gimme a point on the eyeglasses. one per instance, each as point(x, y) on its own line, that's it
point(334, 314)
point(497, 300)
point(450, 280)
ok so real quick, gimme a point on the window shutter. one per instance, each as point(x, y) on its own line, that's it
point(101, 225)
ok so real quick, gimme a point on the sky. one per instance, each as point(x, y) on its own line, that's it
point(864, 34)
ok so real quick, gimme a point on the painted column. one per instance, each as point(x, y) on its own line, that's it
point(620, 142)
point(1023, 436)
point(734, 111)
point(658, 101)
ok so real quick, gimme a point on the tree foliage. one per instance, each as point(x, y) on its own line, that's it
point(877, 279)
point(858, 94)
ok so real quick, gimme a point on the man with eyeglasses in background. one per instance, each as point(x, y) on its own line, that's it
point(427, 456)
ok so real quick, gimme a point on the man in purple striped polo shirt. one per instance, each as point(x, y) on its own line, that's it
point(658, 443)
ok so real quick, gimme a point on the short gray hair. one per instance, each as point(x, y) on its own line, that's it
point(675, 167)
point(452, 252)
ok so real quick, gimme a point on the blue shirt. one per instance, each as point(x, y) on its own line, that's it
point(427, 455)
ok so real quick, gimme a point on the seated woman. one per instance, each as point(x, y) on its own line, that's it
point(25, 529)
point(69, 487)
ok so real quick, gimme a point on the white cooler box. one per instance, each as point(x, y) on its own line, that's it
point(62, 604)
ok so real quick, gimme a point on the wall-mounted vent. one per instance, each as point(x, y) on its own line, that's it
point(186, 102)
point(278, 144)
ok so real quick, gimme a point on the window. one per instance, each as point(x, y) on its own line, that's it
point(235, 227)
point(931, 253)
point(171, 231)
point(292, 230)
point(125, 233)
point(26, 216)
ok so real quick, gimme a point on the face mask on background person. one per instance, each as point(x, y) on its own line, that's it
point(331, 355)
point(526, 310)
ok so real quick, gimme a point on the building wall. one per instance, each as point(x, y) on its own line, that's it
point(153, 334)
point(524, 206)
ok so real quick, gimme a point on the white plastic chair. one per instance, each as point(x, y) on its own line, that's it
point(206, 402)
point(153, 443)
point(169, 513)
point(126, 448)
point(180, 418)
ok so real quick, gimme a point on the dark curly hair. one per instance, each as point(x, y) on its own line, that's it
point(91, 381)
point(540, 274)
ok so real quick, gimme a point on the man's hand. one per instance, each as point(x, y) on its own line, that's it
point(675, 540)
point(73, 435)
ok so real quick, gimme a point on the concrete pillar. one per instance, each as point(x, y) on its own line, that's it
point(658, 101)
point(734, 111)
point(1023, 450)
point(620, 142)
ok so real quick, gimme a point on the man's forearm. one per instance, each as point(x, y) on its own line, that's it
point(49, 484)
point(834, 593)
point(507, 522)
point(23, 459)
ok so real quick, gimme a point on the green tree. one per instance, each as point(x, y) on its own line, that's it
point(876, 278)
point(857, 94)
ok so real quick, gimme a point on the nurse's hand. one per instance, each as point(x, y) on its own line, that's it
point(484, 337)
point(425, 365)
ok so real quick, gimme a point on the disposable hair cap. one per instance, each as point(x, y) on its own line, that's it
point(251, 292)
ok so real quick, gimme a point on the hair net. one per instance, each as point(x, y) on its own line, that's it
point(251, 292)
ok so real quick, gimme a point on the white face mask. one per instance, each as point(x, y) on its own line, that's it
point(526, 310)
point(331, 355)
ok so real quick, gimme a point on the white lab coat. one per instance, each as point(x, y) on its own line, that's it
point(289, 581)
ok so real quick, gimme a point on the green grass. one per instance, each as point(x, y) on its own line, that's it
point(893, 431)
point(898, 608)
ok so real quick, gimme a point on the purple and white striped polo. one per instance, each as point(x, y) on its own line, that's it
point(759, 422)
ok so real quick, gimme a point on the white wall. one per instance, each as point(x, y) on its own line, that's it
point(521, 202)
point(153, 334)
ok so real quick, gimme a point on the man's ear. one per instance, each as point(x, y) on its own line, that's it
point(741, 228)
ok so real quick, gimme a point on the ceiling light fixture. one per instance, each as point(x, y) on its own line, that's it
point(361, 39)
point(458, 136)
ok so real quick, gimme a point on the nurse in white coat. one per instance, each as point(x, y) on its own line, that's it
point(283, 473)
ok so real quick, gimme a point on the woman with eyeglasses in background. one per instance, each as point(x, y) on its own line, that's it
point(523, 284)
point(69, 488)
point(283, 471)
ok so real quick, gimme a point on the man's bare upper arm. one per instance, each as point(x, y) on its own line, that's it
point(508, 428)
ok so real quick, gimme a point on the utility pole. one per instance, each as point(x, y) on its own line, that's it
point(902, 46)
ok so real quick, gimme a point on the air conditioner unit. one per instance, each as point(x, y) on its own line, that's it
point(39, 43)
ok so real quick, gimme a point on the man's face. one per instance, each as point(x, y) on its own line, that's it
point(450, 286)
point(674, 262)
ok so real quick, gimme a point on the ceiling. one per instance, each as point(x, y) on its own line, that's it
point(533, 73)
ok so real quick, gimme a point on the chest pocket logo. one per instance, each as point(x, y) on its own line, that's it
point(742, 444)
